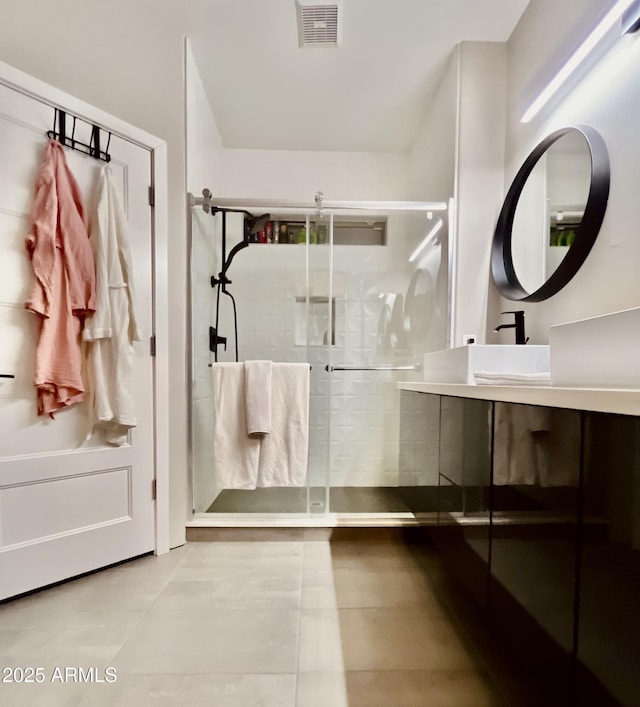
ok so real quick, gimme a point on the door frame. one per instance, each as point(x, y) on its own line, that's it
point(45, 93)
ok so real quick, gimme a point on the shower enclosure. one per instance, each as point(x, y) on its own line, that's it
point(360, 291)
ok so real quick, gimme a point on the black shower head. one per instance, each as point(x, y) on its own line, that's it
point(253, 224)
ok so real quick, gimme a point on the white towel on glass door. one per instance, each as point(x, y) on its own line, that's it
point(284, 452)
point(257, 393)
point(235, 454)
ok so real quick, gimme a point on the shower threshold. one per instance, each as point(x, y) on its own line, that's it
point(320, 520)
point(339, 501)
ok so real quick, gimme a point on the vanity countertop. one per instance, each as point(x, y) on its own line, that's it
point(618, 401)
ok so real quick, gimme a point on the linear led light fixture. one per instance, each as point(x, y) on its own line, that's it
point(426, 240)
point(607, 22)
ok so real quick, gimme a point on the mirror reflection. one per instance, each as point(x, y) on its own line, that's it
point(550, 209)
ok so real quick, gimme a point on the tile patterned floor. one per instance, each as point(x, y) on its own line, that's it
point(244, 624)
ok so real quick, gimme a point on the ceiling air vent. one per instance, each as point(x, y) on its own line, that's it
point(319, 25)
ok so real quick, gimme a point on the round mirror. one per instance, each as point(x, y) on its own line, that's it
point(551, 216)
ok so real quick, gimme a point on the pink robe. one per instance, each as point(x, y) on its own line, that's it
point(64, 291)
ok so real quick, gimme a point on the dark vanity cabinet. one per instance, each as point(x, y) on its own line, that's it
point(535, 516)
point(608, 611)
point(464, 484)
point(539, 521)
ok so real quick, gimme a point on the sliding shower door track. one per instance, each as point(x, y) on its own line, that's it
point(330, 520)
point(270, 527)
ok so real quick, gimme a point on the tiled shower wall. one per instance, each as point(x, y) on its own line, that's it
point(204, 262)
point(370, 284)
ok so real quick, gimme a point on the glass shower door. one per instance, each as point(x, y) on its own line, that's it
point(361, 313)
point(386, 317)
point(320, 330)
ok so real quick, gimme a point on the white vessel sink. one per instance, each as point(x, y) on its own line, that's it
point(599, 352)
point(458, 365)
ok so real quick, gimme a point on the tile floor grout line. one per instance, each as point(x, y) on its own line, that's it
point(299, 633)
point(468, 643)
point(152, 604)
point(296, 678)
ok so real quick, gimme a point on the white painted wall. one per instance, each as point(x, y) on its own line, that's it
point(298, 175)
point(106, 55)
point(205, 154)
point(480, 179)
point(607, 98)
point(432, 159)
point(432, 176)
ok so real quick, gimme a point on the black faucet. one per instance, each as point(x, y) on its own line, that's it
point(518, 325)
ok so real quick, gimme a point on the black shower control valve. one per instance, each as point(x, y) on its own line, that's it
point(222, 279)
point(215, 340)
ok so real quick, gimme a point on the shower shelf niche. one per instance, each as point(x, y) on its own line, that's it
point(346, 231)
point(316, 331)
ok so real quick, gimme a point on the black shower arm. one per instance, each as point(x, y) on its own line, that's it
point(236, 248)
point(224, 210)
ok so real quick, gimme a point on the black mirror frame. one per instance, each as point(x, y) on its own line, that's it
point(504, 274)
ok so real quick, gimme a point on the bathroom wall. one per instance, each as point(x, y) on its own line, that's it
point(432, 159)
point(107, 55)
point(204, 168)
point(479, 180)
point(298, 175)
point(459, 153)
point(204, 148)
point(608, 98)
point(432, 177)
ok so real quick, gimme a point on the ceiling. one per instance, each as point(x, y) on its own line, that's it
point(369, 94)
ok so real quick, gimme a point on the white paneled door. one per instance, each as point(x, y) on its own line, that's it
point(68, 505)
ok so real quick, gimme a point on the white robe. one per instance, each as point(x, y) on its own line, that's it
point(112, 330)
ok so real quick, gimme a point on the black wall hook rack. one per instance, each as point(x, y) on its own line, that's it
point(93, 149)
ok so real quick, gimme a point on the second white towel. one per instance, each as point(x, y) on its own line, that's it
point(283, 454)
point(257, 395)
